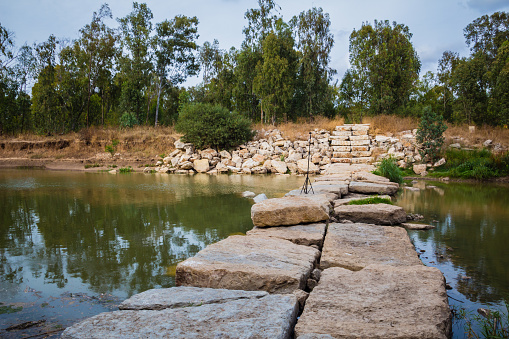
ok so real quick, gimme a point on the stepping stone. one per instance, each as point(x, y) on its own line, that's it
point(378, 302)
point(379, 214)
point(307, 235)
point(389, 188)
point(209, 313)
point(355, 246)
point(356, 196)
point(250, 263)
point(292, 210)
point(413, 226)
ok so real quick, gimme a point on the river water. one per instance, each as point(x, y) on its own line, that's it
point(73, 245)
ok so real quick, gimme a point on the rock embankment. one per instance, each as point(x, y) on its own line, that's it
point(272, 153)
point(345, 279)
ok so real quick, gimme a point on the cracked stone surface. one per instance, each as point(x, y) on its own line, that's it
point(355, 246)
point(184, 296)
point(380, 214)
point(307, 235)
point(251, 263)
point(268, 316)
point(377, 302)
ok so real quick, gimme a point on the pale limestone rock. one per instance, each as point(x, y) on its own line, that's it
point(378, 302)
point(259, 198)
point(279, 166)
point(307, 235)
point(355, 246)
point(412, 226)
point(373, 188)
point(302, 167)
point(285, 211)
point(249, 164)
point(419, 169)
point(439, 162)
point(201, 166)
point(208, 314)
point(225, 155)
point(186, 165)
point(379, 214)
point(250, 263)
point(258, 158)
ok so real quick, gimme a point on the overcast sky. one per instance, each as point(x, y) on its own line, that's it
point(436, 25)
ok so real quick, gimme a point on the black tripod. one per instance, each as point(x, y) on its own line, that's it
point(307, 182)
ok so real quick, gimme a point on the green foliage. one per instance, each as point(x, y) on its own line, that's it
point(128, 120)
point(10, 309)
point(430, 135)
point(127, 169)
point(370, 201)
point(207, 125)
point(389, 168)
point(112, 148)
point(93, 165)
point(490, 323)
point(476, 164)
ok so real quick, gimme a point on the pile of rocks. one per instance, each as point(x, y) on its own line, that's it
point(271, 153)
point(344, 279)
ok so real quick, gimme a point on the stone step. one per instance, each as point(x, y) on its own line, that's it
point(377, 302)
point(355, 246)
point(186, 312)
point(306, 235)
point(250, 263)
point(379, 214)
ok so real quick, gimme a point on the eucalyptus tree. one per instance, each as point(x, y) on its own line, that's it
point(210, 56)
point(446, 66)
point(174, 49)
point(6, 48)
point(98, 48)
point(385, 64)
point(135, 30)
point(275, 74)
point(314, 42)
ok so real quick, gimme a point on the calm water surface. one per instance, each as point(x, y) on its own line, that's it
point(76, 244)
point(470, 243)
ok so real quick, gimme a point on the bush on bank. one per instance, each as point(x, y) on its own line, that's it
point(474, 164)
point(207, 125)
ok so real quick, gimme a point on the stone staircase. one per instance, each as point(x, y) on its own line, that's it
point(351, 144)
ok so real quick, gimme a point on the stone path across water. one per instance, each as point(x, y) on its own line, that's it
point(360, 281)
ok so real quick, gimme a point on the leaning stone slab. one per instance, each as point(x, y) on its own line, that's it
point(412, 226)
point(379, 214)
point(250, 263)
point(307, 235)
point(269, 316)
point(291, 210)
point(185, 296)
point(378, 302)
point(355, 246)
point(373, 188)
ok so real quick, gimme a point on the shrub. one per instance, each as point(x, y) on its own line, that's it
point(113, 147)
point(389, 168)
point(127, 169)
point(207, 125)
point(128, 120)
point(430, 135)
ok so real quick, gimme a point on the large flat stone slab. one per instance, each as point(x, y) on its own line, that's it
point(379, 214)
point(250, 263)
point(389, 188)
point(244, 316)
point(291, 210)
point(185, 296)
point(307, 235)
point(355, 246)
point(378, 302)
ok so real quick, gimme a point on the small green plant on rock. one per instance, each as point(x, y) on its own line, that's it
point(430, 135)
point(112, 148)
point(370, 201)
point(389, 168)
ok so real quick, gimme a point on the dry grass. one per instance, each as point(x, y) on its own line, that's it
point(300, 130)
point(138, 142)
point(384, 124)
point(480, 135)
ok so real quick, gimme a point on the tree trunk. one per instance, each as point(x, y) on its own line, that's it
point(158, 96)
